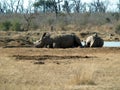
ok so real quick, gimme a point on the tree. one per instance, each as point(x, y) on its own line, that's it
point(19, 6)
point(48, 5)
point(1, 8)
point(98, 6)
point(28, 18)
point(66, 7)
point(11, 6)
point(40, 4)
point(118, 6)
point(59, 7)
point(4, 6)
point(79, 6)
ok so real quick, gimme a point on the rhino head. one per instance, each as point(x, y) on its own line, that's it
point(43, 41)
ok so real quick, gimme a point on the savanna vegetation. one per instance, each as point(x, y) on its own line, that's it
point(32, 68)
point(58, 15)
point(72, 16)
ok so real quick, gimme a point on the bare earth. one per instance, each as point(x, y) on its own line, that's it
point(60, 69)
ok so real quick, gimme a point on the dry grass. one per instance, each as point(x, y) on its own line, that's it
point(100, 72)
point(84, 75)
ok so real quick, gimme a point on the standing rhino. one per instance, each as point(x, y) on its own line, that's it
point(94, 41)
point(58, 41)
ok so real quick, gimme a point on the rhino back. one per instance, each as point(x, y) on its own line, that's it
point(64, 41)
point(98, 42)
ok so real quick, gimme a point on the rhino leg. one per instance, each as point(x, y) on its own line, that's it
point(48, 46)
point(56, 45)
point(92, 44)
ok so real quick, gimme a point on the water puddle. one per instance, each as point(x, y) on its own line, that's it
point(111, 44)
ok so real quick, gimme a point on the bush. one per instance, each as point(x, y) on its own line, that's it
point(16, 26)
point(108, 20)
point(117, 29)
point(6, 25)
point(34, 26)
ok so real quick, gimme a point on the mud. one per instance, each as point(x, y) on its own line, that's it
point(42, 59)
point(45, 57)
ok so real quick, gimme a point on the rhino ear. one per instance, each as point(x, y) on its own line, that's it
point(95, 34)
point(45, 35)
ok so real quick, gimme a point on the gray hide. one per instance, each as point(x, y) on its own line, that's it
point(94, 41)
point(58, 41)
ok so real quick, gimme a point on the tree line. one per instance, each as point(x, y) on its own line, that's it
point(55, 6)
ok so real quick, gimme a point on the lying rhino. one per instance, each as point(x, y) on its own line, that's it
point(94, 41)
point(58, 41)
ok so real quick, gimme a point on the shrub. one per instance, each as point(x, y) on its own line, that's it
point(50, 21)
point(108, 20)
point(6, 25)
point(16, 26)
point(116, 16)
point(34, 26)
point(117, 29)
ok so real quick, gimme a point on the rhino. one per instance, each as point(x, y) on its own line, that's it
point(94, 41)
point(58, 41)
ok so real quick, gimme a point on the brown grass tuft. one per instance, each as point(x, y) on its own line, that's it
point(84, 76)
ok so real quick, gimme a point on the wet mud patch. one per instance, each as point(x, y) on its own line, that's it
point(49, 57)
point(43, 59)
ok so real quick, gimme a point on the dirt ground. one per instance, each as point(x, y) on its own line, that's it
point(60, 69)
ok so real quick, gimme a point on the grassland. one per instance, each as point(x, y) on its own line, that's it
point(59, 69)
point(24, 67)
